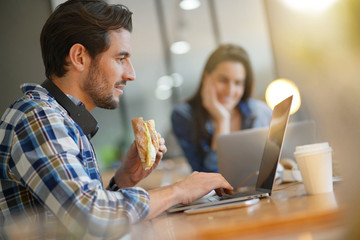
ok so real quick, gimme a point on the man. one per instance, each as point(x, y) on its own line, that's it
point(48, 169)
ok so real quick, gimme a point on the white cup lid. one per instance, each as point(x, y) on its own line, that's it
point(312, 148)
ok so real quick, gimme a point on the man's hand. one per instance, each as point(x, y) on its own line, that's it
point(199, 184)
point(131, 171)
point(186, 191)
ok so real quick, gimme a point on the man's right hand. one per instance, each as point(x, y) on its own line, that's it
point(193, 187)
point(199, 184)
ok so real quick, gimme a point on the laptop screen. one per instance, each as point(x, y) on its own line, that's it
point(273, 145)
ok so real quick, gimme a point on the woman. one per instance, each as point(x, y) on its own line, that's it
point(222, 104)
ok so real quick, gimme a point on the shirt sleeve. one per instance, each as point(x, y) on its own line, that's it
point(181, 120)
point(46, 160)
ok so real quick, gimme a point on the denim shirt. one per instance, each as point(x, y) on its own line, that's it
point(254, 114)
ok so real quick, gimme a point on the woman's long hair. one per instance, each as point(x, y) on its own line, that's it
point(225, 52)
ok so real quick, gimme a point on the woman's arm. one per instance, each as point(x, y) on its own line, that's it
point(181, 120)
point(220, 115)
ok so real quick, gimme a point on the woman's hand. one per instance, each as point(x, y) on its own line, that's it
point(217, 111)
point(211, 103)
point(131, 170)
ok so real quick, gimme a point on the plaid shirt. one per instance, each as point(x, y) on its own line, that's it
point(49, 174)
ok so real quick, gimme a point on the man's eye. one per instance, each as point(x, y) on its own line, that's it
point(120, 59)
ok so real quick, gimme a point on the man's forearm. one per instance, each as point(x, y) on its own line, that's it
point(162, 198)
point(125, 178)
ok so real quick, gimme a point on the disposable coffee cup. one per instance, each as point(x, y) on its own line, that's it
point(315, 165)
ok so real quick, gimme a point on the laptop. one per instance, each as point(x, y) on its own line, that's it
point(239, 153)
point(269, 162)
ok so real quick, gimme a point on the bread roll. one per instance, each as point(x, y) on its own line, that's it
point(147, 140)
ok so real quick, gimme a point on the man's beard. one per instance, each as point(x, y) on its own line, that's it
point(96, 86)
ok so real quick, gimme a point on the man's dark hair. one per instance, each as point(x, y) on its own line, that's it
point(86, 22)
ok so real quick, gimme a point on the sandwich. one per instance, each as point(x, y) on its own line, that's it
point(147, 140)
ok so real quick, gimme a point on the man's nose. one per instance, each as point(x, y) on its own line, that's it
point(129, 72)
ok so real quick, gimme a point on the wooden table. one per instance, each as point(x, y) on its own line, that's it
point(288, 214)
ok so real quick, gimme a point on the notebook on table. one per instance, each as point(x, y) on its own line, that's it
point(239, 153)
point(269, 162)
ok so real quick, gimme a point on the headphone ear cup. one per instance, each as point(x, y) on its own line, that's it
point(288, 163)
point(279, 174)
point(291, 172)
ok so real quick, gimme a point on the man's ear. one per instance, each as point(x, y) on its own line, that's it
point(78, 57)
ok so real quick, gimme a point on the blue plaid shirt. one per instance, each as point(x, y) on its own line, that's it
point(49, 175)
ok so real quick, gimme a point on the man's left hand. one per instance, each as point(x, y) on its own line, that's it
point(131, 171)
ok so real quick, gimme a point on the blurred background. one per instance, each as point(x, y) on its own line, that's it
point(314, 43)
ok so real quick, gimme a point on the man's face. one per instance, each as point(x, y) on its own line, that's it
point(109, 72)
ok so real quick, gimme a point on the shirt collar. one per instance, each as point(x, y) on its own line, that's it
point(245, 109)
point(248, 116)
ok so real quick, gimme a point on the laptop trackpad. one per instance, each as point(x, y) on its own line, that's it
point(231, 205)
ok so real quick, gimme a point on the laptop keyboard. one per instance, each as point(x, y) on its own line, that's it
point(239, 194)
point(206, 200)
